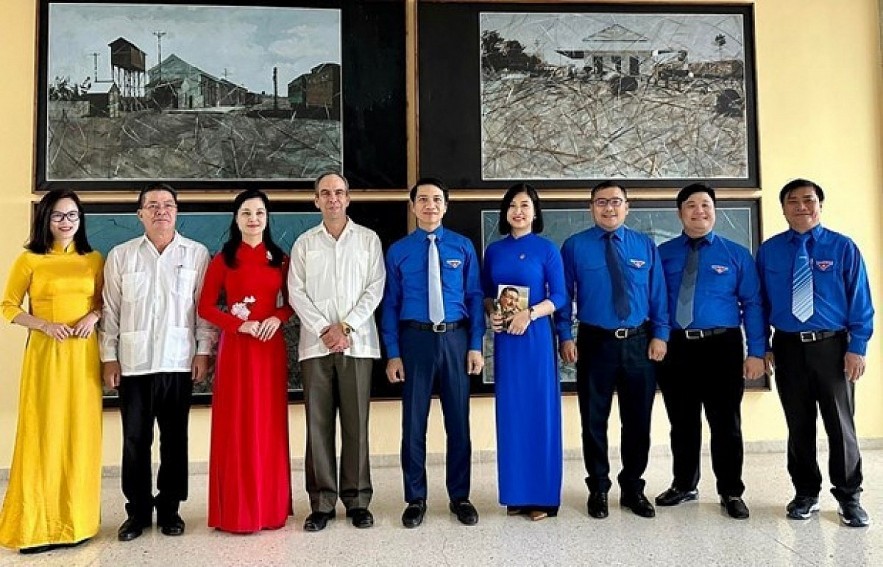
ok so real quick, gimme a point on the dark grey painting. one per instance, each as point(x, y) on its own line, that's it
point(191, 92)
point(624, 95)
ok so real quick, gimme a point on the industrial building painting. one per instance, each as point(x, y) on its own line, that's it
point(187, 92)
point(625, 95)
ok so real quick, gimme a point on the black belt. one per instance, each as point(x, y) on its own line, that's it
point(810, 336)
point(434, 327)
point(620, 334)
point(695, 334)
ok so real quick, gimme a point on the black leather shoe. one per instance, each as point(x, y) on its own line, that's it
point(171, 526)
point(465, 512)
point(638, 504)
point(413, 514)
point(674, 496)
point(33, 550)
point(317, 521)
point(361, 517)
point(131, 529)
point(802, 507)
point(597, 505)
point(735, 506)
point(853, 515)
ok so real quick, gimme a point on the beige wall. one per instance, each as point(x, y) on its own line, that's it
point(819, 104)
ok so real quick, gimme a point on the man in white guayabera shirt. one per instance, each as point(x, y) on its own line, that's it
point(335, 283)
point(153, 347)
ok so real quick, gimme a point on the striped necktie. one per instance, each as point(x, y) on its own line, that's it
point(801, 281)
point(436, 301)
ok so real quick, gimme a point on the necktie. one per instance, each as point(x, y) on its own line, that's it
point(617, 279)
point(801, 282)
point(436, 302)
point(684, 314)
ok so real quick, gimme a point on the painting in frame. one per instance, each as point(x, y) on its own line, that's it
point(215, 95)
point(571, 94)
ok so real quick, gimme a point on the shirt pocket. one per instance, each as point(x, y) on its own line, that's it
point(178, 345)
point(185, 281)
point(722, 279)
point(134, 286)
point(639, 270)
point(319, 287)
point(133, 348)
point(452, 275)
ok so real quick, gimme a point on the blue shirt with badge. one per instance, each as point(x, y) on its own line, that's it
point(841, 292)
point(407, 289)
point(727, 290)
point(586, 275)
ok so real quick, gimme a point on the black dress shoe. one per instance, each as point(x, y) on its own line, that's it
point(361, 517)
point(597, 505)
point(317, 521)
point(171, 526)
point(465, 512)
point(735, 506)
point(674, 496)
point(131, 529)
point(413, 514)
point(638, 504)
point(35, 549)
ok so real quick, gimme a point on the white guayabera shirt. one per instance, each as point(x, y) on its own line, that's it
point(150, 323)
point(336, 281)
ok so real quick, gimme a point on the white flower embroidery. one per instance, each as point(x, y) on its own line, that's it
point(241, 309)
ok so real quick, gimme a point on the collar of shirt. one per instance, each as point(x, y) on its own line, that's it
point(422, 234)
point(709, 238)
point(815, 232)
point(347, 228)
point(618, 234)
point(176, 240)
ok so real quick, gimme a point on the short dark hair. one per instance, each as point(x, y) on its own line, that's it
point(797, 184)
point(156, 187)
point(536, 224)
point(429, 181)
point(346, 182)
point(509, 288)
point(692, 189)
point(41, 239)
point(607, 184)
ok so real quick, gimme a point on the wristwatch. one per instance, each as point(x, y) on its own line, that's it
point(533, 313)
point(346, 328)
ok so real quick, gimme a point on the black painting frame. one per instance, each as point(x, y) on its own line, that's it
point(373, 107)
point(450, 136)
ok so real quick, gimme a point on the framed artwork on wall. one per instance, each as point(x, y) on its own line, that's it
point(738, 220)
point(110, 224)
point(653, 95)
point(219, 95)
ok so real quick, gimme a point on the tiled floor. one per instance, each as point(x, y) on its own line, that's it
point(693, 534)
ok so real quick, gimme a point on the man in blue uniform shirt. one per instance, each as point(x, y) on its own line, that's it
point(432, 326)
point(713, 289)
point(818, 301)
point(622, 308)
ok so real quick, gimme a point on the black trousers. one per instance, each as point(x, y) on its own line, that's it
point(604, 365)
point(165, 398)
point(705, 373)
point(810, 380)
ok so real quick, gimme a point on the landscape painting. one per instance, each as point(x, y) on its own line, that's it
point(636, 94)
point(189, 93)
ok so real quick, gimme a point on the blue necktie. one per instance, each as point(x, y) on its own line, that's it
point(617, 279)
point(436, 301)
point(801, 281)
point(686, 295)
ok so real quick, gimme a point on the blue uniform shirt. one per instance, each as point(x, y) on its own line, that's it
point(407, 291)
point(841, 293)
point(727, 290)
point(586, 275)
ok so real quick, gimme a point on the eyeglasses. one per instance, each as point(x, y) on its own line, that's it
point(58, 216)
point(615, 202)
point(154, 208)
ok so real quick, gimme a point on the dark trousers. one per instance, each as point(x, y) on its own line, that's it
point(165, 398)
point(604, 365)
point(337, 383)
point(432, 359)
point(705, 373)
point(810, 379)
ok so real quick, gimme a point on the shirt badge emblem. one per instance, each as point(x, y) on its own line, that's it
point(720, 269)
point(521, 257)
point(453, 263)
point(824, 265)
point(637, 263)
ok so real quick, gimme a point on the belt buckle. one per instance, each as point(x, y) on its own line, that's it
point(692, 334)
point(808, 337)
point(439, 327)
point(621, 333)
